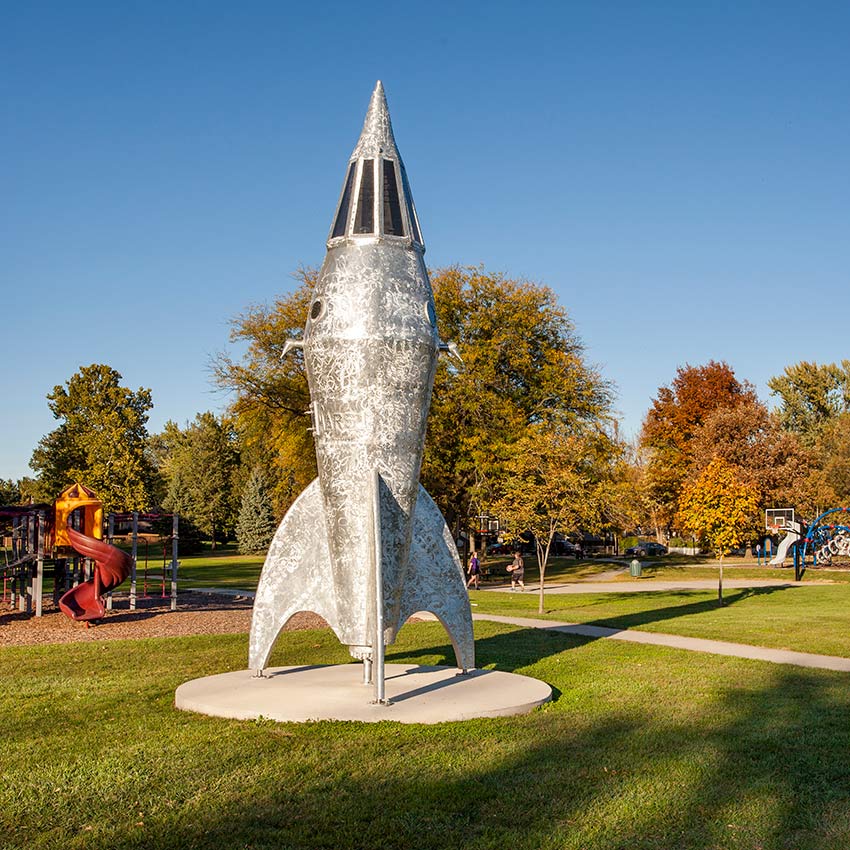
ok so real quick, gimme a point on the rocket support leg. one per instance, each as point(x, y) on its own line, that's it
point(378, 573)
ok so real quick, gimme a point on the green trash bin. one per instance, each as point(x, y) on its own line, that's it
point(634, 568)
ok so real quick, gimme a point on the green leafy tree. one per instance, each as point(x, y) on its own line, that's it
point(101, 441)
point(10, 493)
point(32, 491)
point(270, 395)
point(256, 523)
point(829, 482)
point(555, 481)
point(811, 395)
point(200, 465)
point(522, 364)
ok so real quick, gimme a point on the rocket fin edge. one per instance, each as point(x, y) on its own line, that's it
point(435, 581)
point(296, 576)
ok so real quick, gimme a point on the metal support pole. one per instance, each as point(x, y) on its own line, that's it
point(378, 647)
point(133, 567)
point(16, 549)
point(60, 577)
point(367, 671)
point(28, 568)
point(38, 586)
point(175, 550)
point(110, 533)
point(16, 553)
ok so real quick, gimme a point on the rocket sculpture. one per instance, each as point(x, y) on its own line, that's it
point(365, 546)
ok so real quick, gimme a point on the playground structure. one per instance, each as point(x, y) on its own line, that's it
point(25, 536)
point(86, 568)
point(824, 543)
point(827, 541)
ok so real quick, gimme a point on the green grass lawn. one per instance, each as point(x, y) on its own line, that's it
point(808, 619)
point(222, 568)
point(644, 747)
point(226, 568)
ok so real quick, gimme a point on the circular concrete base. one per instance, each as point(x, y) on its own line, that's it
point(417, 694)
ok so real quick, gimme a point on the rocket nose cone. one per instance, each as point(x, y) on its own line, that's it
point(377, 134)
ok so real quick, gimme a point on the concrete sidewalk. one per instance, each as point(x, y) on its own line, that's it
point(714, 647)
point(649, 585)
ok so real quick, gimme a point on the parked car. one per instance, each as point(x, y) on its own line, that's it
point(499, 549)
point(648, 549)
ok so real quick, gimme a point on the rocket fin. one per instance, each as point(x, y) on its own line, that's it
point(435, 581)
point(296, 575)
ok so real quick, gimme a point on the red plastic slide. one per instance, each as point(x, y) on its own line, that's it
point(112, 566)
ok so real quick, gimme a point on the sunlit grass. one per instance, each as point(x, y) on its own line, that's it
point(808, 619)
point(644, 748)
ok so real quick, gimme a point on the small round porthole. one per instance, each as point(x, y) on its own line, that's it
point(317, 310)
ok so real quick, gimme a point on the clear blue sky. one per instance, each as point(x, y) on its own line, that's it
point(679, 173)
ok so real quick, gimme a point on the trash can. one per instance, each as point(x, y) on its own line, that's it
point(634, 568)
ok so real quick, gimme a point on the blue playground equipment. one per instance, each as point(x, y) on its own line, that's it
point(827, 542)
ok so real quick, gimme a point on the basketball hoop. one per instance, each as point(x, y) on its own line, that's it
point(777, 520)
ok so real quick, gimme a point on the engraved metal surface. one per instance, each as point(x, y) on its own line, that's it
point(370, 350)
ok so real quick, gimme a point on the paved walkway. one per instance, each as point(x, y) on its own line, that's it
point(650, 585)
point(714, 647)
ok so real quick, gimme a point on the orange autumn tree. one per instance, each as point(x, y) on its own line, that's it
point(675, 418)
point(719, 508)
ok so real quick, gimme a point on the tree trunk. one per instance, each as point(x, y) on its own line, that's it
point(720, 582)
point(542, 561)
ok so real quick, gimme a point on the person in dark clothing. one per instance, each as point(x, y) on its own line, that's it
point(517, 570)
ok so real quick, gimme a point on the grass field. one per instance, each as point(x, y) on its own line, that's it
point(807, 619)
point(225, 568)
point(644, 748)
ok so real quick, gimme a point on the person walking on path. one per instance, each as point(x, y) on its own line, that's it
point(474, 570)
point(758, 553)
point(517, 570)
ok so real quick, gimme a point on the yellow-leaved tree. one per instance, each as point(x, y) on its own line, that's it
point(556, 480)
point(720, 509)
point(523, 364)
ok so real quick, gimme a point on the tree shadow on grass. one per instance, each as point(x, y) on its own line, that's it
point(744, 766)
point(507, 651)
point(501, 651)
point(672, 612)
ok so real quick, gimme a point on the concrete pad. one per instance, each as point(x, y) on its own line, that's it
point(418, 694)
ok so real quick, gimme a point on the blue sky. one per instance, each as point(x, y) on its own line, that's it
point(678, 173)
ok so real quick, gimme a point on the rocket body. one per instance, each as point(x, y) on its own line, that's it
point(370, 352)
point(370, 355)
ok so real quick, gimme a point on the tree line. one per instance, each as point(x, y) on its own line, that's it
point(524, 429)
point(711, 456)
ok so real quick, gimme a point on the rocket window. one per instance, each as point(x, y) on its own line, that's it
point(317, 310)
point(411, 212)
point(364, 219)
point(344, 205)
point(393, 223)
